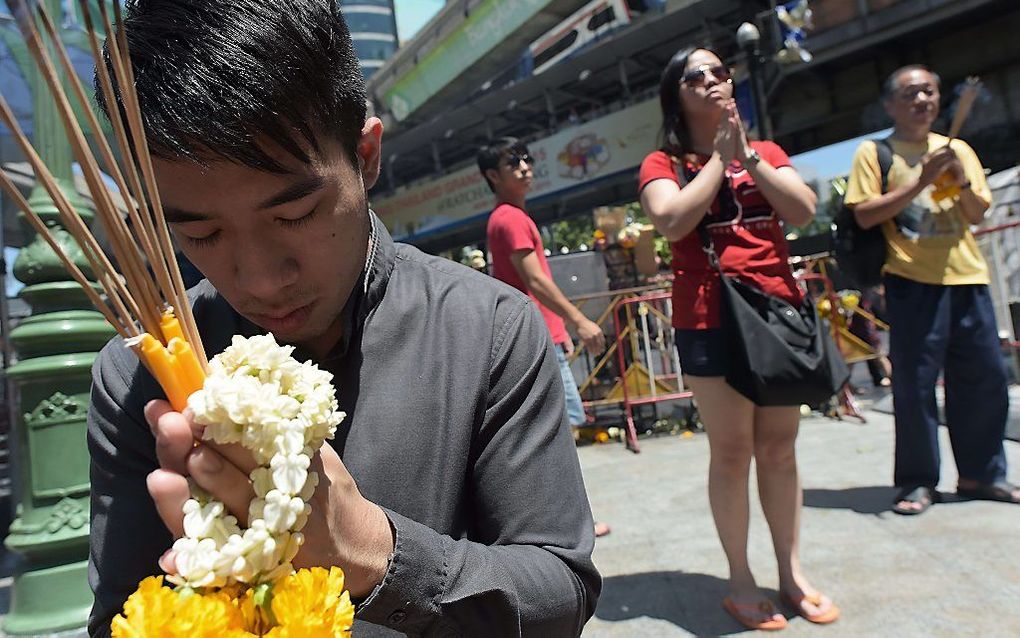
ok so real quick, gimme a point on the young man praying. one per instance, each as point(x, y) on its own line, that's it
point(451, 496)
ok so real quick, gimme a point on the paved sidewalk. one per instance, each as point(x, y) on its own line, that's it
point(955, 571)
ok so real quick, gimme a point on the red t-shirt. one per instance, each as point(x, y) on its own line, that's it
point(511, 229)
point(747, 235)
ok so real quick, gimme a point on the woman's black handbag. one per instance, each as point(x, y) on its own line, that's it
point(778, 354)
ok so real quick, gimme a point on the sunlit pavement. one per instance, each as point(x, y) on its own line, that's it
point(953, 571)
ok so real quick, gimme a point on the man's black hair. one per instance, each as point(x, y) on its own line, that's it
point(216, 79)
point(495, 152)
point(889, 86)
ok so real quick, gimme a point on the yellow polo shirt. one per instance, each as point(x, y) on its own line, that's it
point(930, 242)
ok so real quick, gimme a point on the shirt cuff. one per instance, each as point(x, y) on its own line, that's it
point(407, 599)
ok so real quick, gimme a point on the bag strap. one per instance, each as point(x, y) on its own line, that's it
point(883, 148)
point(885, 159)
point(709, 248)
point(706, 238)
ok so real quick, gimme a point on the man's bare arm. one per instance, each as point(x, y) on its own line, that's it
point(549, 295)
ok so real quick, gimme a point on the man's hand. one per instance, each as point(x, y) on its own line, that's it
point(591, 336)
point(935, 163)
point(955, 170)
point(344, 528)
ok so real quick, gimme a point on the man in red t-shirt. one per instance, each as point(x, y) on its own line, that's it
point(518, 258)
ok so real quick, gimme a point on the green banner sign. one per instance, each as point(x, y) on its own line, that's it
point(488, 25)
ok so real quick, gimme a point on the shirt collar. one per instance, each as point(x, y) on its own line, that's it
point(365, 295)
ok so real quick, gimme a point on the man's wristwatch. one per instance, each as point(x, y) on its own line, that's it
point(752, 159)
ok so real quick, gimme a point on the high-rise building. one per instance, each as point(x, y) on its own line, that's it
point(373, 28)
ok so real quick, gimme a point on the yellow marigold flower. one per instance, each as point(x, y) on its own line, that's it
point(155, 611)
point(312, 603)
point(256, 620)
point(146, 611)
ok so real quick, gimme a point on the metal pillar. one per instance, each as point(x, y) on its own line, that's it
point(624, 80)
point(56, 347)
point(550, 110)
point(437, 162)
point(749, 39)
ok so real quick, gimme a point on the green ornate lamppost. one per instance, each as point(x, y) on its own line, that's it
point(56, 346)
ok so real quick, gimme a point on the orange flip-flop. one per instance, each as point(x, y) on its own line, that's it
point(772, 624)
point(821, 618)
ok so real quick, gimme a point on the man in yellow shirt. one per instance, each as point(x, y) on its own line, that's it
point(937, 297)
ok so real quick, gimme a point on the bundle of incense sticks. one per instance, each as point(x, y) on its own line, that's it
point(971, 88)
point(144, 300)
point(944, 185)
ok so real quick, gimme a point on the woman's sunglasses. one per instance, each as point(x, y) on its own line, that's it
point(696, 77)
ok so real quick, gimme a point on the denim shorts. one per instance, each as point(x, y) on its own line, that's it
point(571, 397)
point(702, 352)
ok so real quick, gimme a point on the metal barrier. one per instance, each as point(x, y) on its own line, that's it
point(839, 308)
point(1000, 245)
point(1001, 250)
point(642, 359)
point(641, 356)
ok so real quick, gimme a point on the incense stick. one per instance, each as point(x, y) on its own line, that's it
point(163, 251)
point(963, 106)
point(101, 197)
point(142, 146)
point(136, 265)
point(125, 250)
point(72, 222)
point(138, 303)
point(143, 223)
point(43, 231)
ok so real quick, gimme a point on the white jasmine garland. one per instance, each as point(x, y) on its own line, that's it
point(256, 394)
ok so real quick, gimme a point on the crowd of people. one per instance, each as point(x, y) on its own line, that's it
point(708, 177)
point(452, 495)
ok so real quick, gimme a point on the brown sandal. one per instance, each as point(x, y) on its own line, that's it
point(772, 624)
point(830, 615)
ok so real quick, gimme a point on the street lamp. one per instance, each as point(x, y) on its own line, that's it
point(749, 40)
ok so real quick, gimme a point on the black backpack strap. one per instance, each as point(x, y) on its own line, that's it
point(883, 148)
point(885, 159)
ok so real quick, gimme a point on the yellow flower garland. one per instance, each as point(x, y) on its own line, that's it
point(234, 583)
point(154, 610)
point(310, 603)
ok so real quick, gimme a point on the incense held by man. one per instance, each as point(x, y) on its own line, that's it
point(451, 495)
point(141, 299)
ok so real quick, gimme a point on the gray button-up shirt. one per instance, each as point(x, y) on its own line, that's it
point(455, 427)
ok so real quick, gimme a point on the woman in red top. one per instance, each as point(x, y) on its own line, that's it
point(708, 175)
